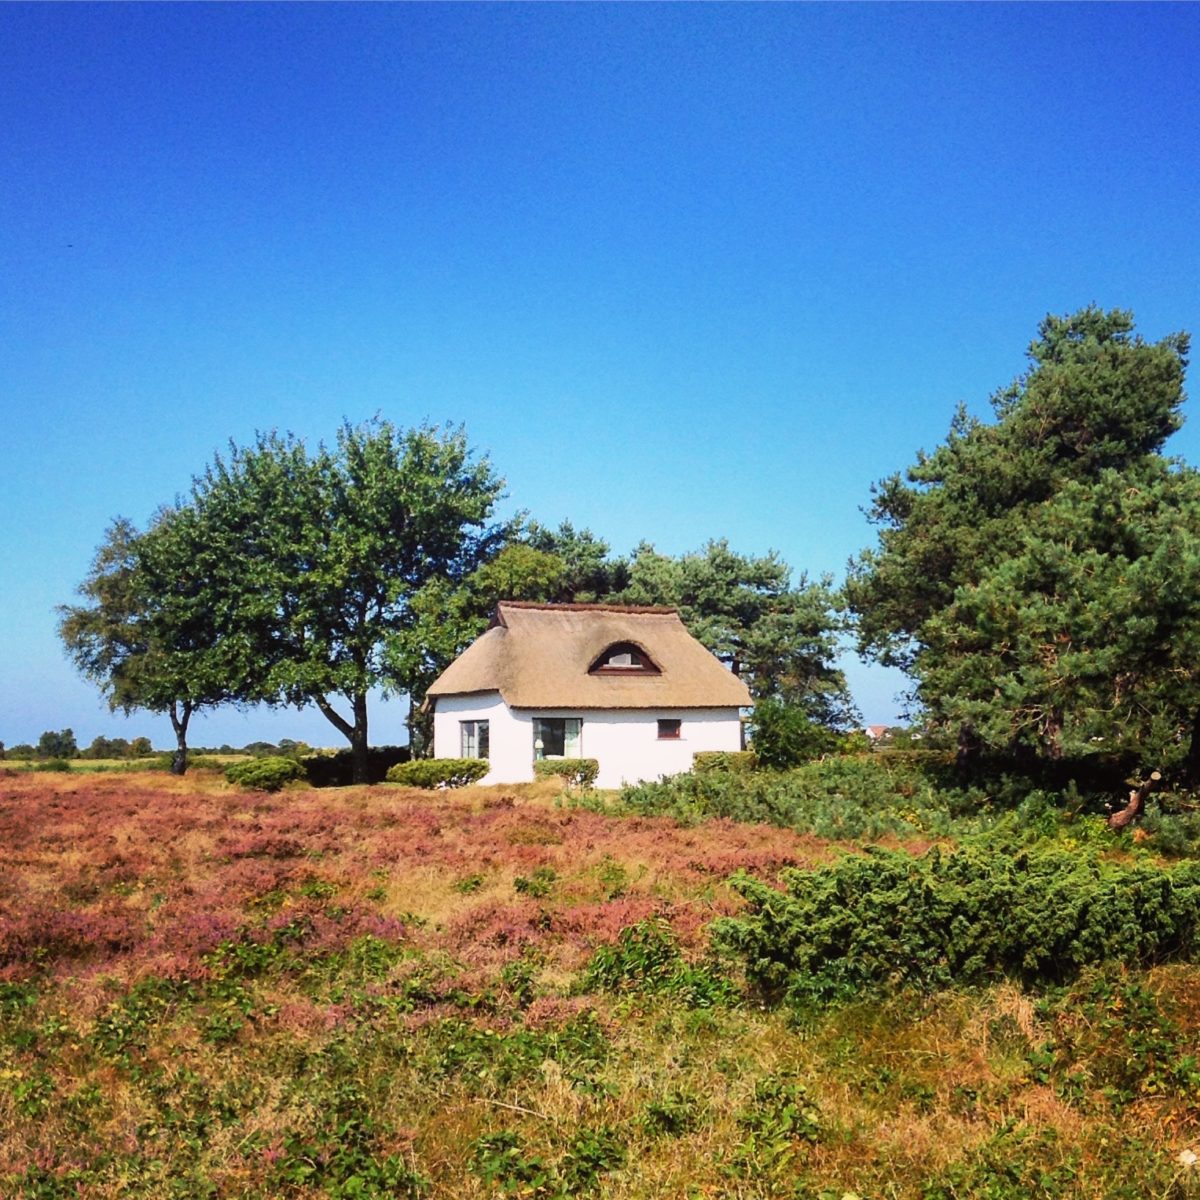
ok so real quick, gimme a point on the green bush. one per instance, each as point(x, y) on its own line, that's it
point(439, 772)
point(264, 774)
point(574, 772)
point(735, 761)
point(888, 920)
point(856, 798)
point(53, 764)
point(784, 736)
point(646, 958)
point(337, 770)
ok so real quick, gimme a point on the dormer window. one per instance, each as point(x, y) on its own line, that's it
point(624, 658)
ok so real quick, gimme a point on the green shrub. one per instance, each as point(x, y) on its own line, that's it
point(888, 920)
point(735, 761)
point(645, 958)
point(854, 798)
point(574, 772)
point(439, 772)
point(264, 774)
point(53, 764)
point(784, 736)
point(337, 770)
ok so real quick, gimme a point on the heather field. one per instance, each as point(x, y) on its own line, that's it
point(500, 992)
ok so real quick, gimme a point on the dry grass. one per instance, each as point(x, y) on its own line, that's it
point(212, 993)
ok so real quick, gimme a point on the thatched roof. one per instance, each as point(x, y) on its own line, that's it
point(539, 655)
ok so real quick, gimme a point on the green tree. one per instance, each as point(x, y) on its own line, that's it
point(146, 634)
point(57, 744)
point(313, 559)
point(589, 573)
point(779, 637)
point(1036, 574)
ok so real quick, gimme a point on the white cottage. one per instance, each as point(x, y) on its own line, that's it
point(625, 685)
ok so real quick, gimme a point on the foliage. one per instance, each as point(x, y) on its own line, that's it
point(53, 764)
point(574, 772)
point(60, 744)
point(264, 774)
point(149, 632)
point(779, 637)
point(646, 958)
point(888, 920)
point(439, 772)
point(22, 750)
point(860, 797)
point(313, 558)
point(290, 998)
point(1037, 575)
point(538, 885)
point(337, 770)
point(784, 736)
point(738, 761)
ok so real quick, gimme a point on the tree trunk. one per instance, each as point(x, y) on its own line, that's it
point(180, 716)
point(1137, 802)
point(1052, 734)
point(420, 729)
point(358, 741)
point(355, 734)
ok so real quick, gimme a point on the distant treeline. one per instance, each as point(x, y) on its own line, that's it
point(62, 744)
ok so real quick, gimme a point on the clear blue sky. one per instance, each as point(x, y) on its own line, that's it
point(684, 271)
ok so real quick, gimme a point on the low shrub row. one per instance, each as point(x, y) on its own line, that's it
point(574, 772)
point(439, 772)
point(886, 920)
point(337, 770)
point(264, 774)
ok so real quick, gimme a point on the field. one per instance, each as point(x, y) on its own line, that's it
point(495, 992)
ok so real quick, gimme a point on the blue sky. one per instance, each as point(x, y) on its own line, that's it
point(684, 271)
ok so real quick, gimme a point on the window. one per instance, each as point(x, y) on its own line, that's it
point(669, 728)
point(474, 739)
point(624, 658)
point(556, 737)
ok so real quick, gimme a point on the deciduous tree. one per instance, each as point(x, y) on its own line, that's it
point(315, 558)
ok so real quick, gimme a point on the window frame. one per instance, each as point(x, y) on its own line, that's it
point(475, 739)
point(538, 722)
point(643, 664)
point(677, 735)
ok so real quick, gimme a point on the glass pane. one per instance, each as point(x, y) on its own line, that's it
point(571, 730)
point(484, 740)
point(467, 739)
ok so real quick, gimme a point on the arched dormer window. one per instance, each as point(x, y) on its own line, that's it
point(624, 658)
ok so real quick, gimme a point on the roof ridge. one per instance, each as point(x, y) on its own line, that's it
point(649, 609)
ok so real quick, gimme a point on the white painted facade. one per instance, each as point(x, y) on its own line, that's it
point(624, 741)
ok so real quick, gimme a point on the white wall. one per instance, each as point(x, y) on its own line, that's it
point(624, 741)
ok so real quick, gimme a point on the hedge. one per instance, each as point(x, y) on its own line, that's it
point(575, 772)
point(738, 761)
point(337, 770)
point(267, 774)
point(439, 772)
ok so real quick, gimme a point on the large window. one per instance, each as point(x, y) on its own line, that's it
point(556, 737)
point(474, 739)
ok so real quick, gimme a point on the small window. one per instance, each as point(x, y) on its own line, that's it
point(475, 742)
point(624, 658)
point(669, 728)
point(556, 737)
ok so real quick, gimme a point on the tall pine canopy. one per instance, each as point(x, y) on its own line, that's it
point(1037, 574)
